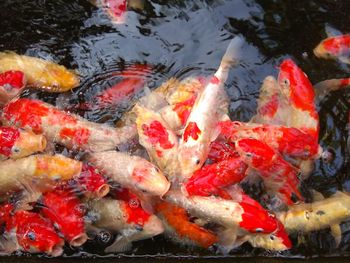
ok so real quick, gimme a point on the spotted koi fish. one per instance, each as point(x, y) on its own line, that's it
point(335, 47)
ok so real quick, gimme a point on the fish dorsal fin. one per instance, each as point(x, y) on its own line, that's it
point(336, 233)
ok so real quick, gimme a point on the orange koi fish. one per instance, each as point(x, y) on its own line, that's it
point(178, 223)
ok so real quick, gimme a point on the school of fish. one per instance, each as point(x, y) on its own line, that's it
point(185, 180)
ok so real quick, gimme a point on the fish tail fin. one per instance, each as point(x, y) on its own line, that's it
point(233, 52)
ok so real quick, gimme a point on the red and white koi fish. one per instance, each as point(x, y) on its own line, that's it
point(70, 130)
point(40, 73)
point(92, 183)
point(29, 232)
point(289, 141)
point(298, 90)
point(65, 211)
point(324, 87)
point(11, 85)
point(213, 178)
point(132, 172)
point(278, 175)
point(36, 173)
point(243, 214)
point(16, 143)
point(178, 225)
point(272, 108)
point(335, 47)
point(159, 140)
point(127, 218)
point(200, 129)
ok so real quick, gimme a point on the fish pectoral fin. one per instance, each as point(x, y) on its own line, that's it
point(345, 60)
point(228, 240)
point(336, 233)
point(120, 244)
point(8, 243)
point(317, 196)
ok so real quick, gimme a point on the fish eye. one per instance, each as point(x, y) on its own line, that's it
point(104, 237)
point(157, 169)
point(272, 238)
point(15, 150)
point(259, 230)
point(198, 161)
point(286, 82)
point(31, 236)
point(294, 198)
point(249, 155)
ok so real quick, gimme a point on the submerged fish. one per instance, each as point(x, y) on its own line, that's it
point(68, 129)
point(323, 88)
point(334, 47)
point(40, 73)
point(125, 217)
point(132, 172)
point(12, 83)
point(200, 129)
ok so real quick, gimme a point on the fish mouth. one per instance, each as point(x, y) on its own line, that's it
point(78, 240)
point(102, 191)
point(56, 250)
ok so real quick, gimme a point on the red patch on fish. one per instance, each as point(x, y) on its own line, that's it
point(255, 218)
point(90, 179)
point(57, 117)
point(270, 108)
point(64, 209)
point(13, 79)
point(8, 138)
point(157, 134)
point(344, 83)
point(336, 45)
point(220, 151)
point(78, 136)
point(302, 94)
point(34, 231)
point(183, 109)
point(116, 8)
point(214, 80)
point(26, 113)
point(191, 130)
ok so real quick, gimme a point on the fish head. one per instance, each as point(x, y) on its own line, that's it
point(295, 86)
point(255, 218)
point(36, 234)
point(149, 179)
point(255, 152)
point(192, 158)
point(333, 47)
point(320, 51)
point(277, 241)
point(93, 182)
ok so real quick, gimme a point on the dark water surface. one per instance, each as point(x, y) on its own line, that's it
point(183, 38)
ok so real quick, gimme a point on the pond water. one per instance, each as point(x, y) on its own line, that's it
point(183, 38)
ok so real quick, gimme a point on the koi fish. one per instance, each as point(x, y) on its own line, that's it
point(159, 140)
point(211, 179)
point(30, 232)
point(67, 129)
point(201, 125)
point(287, 140)
point(36, 173)
point(321, 214)
point(40, 73)
point(11, 85)
point(271, 107)
point(278, 175)
point(16, 143)
point(132, 172)
point(65, 211)
point(298, 90)
point(127, 218)
point(243, 213)
point(324, 87)
point(335, 47)
point(92, 183)
point(178, 225)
